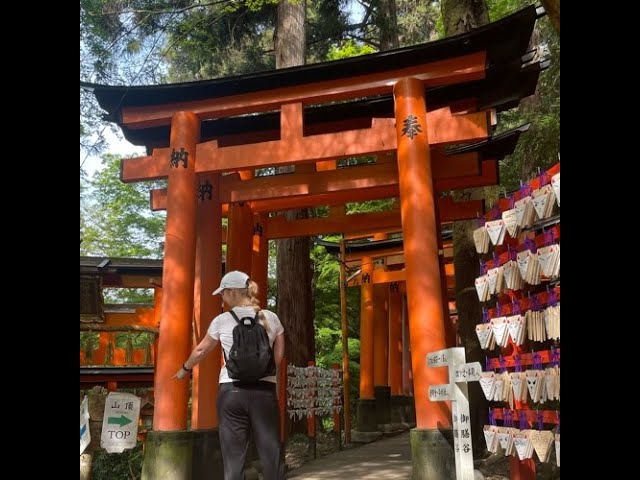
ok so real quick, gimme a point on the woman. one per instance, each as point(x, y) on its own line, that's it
point(244, 406)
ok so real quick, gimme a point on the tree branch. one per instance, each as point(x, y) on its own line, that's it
point(166, 10)
point(364, 40)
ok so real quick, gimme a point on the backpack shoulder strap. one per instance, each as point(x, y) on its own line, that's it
point(233, 314)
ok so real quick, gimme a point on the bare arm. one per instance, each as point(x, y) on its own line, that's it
point(204, 347)
point(278, 349)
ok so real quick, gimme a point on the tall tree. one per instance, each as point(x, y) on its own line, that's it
point(552, 8)
point(293, 264)
point(386, 19)
point(115, 218)
point(460, 16)
point(540, 146)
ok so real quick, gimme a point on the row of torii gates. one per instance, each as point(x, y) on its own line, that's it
point(403, 107)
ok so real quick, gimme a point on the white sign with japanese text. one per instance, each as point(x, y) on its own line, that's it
point(85, 434)
point(120, 423)
point(438, 393)
point(467, 372)
point(459, 372)
point(439, 358)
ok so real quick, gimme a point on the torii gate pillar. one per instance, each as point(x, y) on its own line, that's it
point(168, 449)
point(432, 439)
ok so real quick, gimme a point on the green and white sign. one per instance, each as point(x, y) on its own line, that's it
point(120, 423)
point(85, 435)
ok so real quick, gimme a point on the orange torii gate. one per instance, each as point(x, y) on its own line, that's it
point(412, 102)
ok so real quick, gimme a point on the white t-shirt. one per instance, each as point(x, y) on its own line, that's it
point(222, 326)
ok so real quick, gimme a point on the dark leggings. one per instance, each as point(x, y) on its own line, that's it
point(244, 408)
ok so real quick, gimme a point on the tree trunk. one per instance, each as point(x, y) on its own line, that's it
point(552, 7)
point(387, 21)
point(290, 41)
point(293, 264)
point(460, 16)
point(467, 268)
point(294, 297)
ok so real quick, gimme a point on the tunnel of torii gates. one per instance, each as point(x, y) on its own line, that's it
point(404, 107)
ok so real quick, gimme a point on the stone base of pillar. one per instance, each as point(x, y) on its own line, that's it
point(86, 460)
point(399, 404)
point(207, 457)
point(366, 418)
point(410, 409)
point(394, 428)
point(168, 455)
point(432, 454)
point(364, 437)
point(382, 394)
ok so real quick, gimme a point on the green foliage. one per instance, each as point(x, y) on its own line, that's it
point(118, 466)
point(371, 206)
point(502, 8)
point(115, 220)
point(419, 21)
point(137, 340)
point(538, 147)
point(439, 28)
point(325, 27)
point(128, 295)
point(220, 41)
point(89, 340)
point(256, 5)
point(347, 49)
point(327, 320)
point(327, 294)
point(326, 339)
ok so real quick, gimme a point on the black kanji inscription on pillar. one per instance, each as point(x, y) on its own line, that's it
point(205, 189)
point(177, 157)
point(411, 126)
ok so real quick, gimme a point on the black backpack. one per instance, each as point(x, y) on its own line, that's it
point(251, 355)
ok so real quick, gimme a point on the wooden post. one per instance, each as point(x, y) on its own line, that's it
point(157, 302)
point(407, 377)
point(311, 419)
point(206, 306)
point(336, 414)
point(239, 238)
point(345, 347)
point(381, 389)
point(366, 329)
point(424, 291)
point(260, 258)
point(100, 353)
point(521, 469)
point(174, 343)
point(380, 334)
point(395, 339)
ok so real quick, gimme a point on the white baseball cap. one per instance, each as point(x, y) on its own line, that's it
point(234, 279)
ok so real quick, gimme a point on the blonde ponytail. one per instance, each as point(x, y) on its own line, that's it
point(252, 292)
